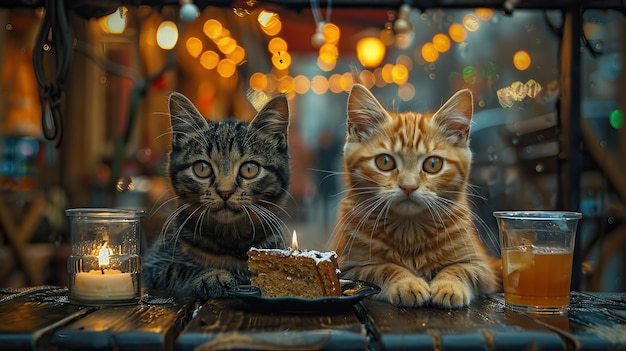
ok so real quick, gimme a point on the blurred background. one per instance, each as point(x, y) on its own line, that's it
point(83, 107)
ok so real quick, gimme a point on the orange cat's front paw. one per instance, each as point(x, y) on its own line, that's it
point(450, 293)
point(408, 292)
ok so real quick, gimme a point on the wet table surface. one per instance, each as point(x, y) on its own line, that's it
point(41, 318)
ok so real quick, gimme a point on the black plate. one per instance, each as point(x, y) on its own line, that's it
point(352, 292)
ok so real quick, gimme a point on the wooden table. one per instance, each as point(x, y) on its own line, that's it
point(42, 318)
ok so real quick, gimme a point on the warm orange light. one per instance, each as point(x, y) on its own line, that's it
point(406, 61)
point(484, 14)
point(281, 60)
point(277, 44)
point(226, 68)
point(346, 81)
point(209, 59)
point(429, 53)
point(301, 84)
point(367, 78)
point(334, 83)
point(457, 32)
point(319, 85)
point(406, 92)
point(194, 46)
point(331, 33)
point(370, 51)
point(386, 73)
point(328, 65)
point(521, 60)
point(441, 42)
point(399, 74)
point(212, 28)
point(285, 84)
point(471, 22)
point(258, 81)
point(268, 18)
point(294, 240)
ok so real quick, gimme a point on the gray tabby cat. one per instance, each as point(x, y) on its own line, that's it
point(230, 179)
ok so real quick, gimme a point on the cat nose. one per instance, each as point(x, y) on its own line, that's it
point(225, 195)
point(408, 189)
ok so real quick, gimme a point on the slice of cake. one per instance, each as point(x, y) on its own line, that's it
point(299, 273)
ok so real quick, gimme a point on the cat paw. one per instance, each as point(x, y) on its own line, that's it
point(407, 292)
point(215, 284)
point(450, 293)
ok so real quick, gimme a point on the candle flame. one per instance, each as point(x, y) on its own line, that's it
point(103, 256)
point(294, 240)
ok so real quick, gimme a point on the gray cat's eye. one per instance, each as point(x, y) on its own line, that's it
point(385, 162)
point(433, 164)
point(249, 170)
point(202, 169)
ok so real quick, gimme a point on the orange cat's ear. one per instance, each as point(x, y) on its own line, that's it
point(453, 118)
point(365, 113)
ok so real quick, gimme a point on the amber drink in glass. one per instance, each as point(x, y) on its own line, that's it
point(537, 253)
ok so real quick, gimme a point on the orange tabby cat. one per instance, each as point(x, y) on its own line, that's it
point(405, 222)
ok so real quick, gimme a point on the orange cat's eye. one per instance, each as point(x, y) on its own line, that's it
point(202, 169)
point(385, 162)
point(249, 170)
point(433, 164)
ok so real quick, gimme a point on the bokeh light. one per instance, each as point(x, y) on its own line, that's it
point(521, 60)
point(457, 33)
point(319, 85)
point(209, 59)
point(281, 60)
point(429, 53)
point(301, 84)
point(258, 81)
point(194, 46)
point(471, 22)
point(226, 68)
point(441, 42)
point(406, 92)
point(114, 23)
point(370, 51)
point(484, 14)
point(277, 44)
point(616, 119)
point(470, 75)
point(331, 33)
point(399, 74)
point(167, 35)
point(212, 28)
point(237, 55)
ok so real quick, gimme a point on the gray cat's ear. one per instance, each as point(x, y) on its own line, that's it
point(272, 121)
point(184, 116)
point(454, 117)
point(365, 113)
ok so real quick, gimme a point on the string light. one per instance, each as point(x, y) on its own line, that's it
point(521, 60)
point(167, 35)
point(370, 51)
point(114, 23)
point(188, 11)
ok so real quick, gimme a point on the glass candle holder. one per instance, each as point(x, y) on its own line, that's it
point(105, 264)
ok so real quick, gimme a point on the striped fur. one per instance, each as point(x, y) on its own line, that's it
point(230, 179)
point(409, 227)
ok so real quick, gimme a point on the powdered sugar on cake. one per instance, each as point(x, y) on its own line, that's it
point(315, 255)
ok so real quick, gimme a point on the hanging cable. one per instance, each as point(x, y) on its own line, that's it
point(54, 37)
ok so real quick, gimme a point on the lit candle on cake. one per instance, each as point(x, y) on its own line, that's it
point(105, 283)
point(294, 240)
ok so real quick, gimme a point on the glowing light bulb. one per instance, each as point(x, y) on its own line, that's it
point(114, 23)
point(370, 51)
point(429, 53)
point(281, 60)
point(457, 32)
point(441, 42)
point(167, 35)
point(194, 46)
point(521, 60)
point(277, 44)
